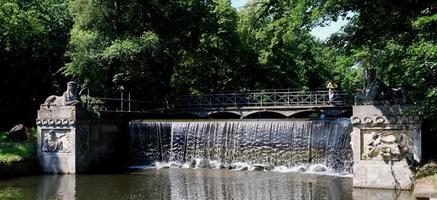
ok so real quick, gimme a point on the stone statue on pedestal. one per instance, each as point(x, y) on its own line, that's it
point(375, 90)
point(386, 138)
point(69, 98)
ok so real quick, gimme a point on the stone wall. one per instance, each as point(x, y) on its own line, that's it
point(71, 140)
point(386, 141)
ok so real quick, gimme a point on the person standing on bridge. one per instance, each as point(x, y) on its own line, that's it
point(331, 87)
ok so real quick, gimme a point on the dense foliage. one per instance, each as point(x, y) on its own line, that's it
point(156, 48)
point(159, 48)
point(33, 38)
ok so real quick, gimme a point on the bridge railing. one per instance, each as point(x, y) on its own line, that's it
point(233, 100)
point(262, 99)
point(124, 103)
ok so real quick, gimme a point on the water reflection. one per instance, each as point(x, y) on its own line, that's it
point(370, 194)
point(57, 187)
point(190, 184)
point(223, 184)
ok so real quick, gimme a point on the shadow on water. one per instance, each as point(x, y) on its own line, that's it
point(191, 184)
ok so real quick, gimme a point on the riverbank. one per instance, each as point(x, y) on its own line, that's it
point(18, 158)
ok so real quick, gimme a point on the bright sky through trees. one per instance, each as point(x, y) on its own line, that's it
point(321, 33)
point(238, 3)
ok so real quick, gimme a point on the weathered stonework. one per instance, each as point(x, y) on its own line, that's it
point(385, 141)
point(56, 138)
point(70, 139)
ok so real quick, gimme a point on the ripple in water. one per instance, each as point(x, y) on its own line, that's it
point(191, 184)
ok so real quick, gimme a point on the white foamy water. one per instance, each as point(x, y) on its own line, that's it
point(201, 163)
point(320, 146)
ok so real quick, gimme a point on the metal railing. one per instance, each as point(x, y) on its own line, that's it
point(262, 99)
point(257, 99)
point(122, 104)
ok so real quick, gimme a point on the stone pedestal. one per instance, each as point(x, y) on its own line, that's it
point(57, 138)
point(385, 142)
point(71, 140)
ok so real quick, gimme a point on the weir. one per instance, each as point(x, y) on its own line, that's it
point(380, 143)
point(270, 143)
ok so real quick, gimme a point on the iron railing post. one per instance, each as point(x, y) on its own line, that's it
point(262, 98)
point(274, 98)
point(121, 102)
point(129, 102)
point(303, 98)
point(288, 98)
point(235, 100)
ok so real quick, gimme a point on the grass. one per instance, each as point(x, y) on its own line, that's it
point(17, 151)
point(3, 137)
point(11, 193)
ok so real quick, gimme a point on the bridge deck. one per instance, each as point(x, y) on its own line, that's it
point(284, 100)
point(262, 100)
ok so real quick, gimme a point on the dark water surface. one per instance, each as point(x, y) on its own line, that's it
point(190, 184)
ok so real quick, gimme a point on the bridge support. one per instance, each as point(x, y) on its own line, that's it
point(71, 141)
point(386, 142)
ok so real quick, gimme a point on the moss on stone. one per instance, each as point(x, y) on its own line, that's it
point(427, 170)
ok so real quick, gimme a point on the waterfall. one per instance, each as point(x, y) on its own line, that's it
point(264, 142)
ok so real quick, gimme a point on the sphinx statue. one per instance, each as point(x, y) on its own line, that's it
point(69, 98)
point(375, 91)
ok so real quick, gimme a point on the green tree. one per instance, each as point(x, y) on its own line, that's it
point(33, 38)
point(277, 32)
point(398, 39)
point(113, 46)
point(214, 63)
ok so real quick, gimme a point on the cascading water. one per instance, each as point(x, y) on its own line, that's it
point(265, 142)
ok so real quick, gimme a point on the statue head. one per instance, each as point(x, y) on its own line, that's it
point(71, 86)
point(52, 136)
point(71, 95)
point(370, 75)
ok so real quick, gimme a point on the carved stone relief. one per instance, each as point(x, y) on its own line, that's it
point(56, 140)
point(386, 145)
point(380, 120)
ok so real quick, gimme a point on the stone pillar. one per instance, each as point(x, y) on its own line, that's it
point(73, 140)
point(56, 127)
point(385, 142)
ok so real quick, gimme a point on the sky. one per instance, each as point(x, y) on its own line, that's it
point(238, 3)
point(321, 33)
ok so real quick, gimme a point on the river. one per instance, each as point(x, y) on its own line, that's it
point(177, 183)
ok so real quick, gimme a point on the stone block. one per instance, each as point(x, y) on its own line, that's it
point(71, 141)
point(385, 141)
